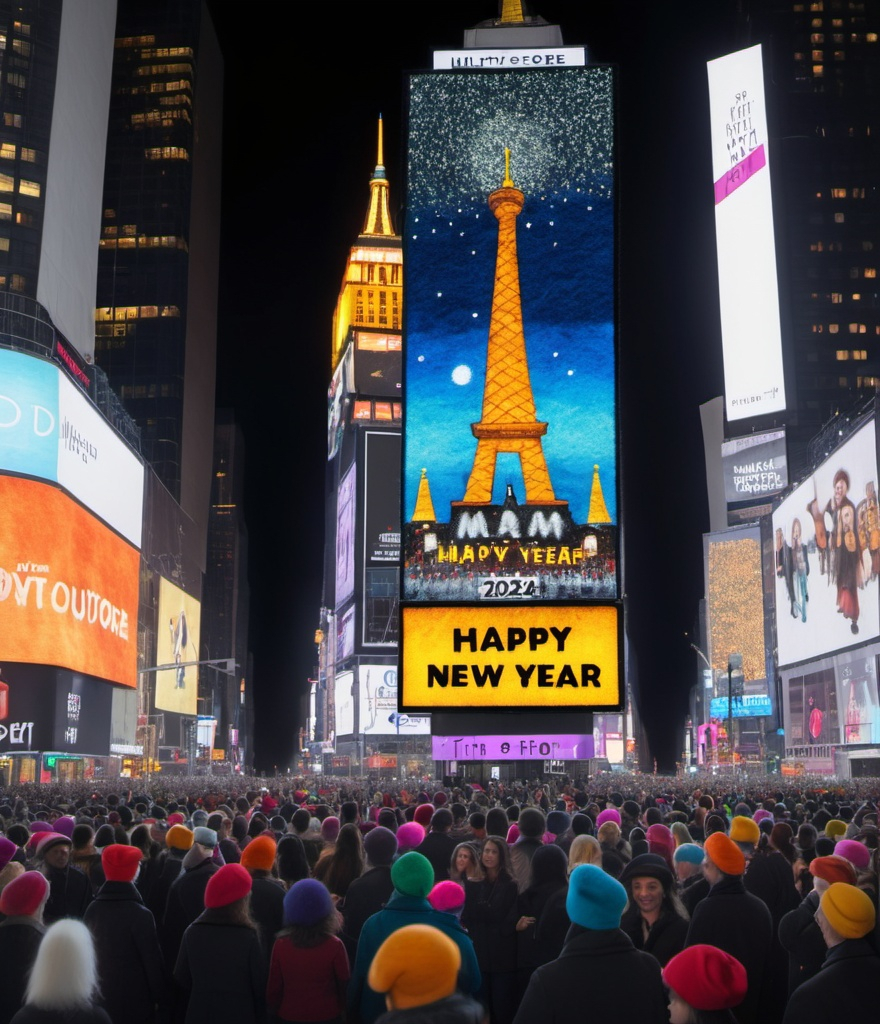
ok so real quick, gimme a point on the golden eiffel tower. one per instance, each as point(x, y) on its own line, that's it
point(509, 421)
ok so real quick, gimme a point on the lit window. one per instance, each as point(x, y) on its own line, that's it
point(860, 354)
point(29, 188)
point(7, 150)
point(839, 218)
point(838, 193)
point(842, 355)
point(12, 120)
point(19, 81)
point(818, 328)
point(7, 183)
point(818, 71)
point(817, 38)
point(857, 296)
point(818, 55)
point(833, 328)
point(870, 271)
point(858, 193)
point(129, 229)
point(25, 219)
point(21, 28)
point(29, 155)
point(5, 211)
point(837, 297)
point(383, 410)
point(4, 244)
point(21, 47)
point(870, 37)
point(17, 283)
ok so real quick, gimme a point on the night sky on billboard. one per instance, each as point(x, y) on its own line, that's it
point(294, 255)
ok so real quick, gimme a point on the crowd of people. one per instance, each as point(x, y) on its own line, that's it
point(699, 899)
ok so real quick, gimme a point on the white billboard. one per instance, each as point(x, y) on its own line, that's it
point(747, 287)
point(344, 703)
point(827, 555)
point(378, 705)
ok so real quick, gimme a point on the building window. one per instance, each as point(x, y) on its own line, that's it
point(837, 297)
point(29, 188)
point(842, 355)
point(839, 218)
point(29, 155)
point(833, 328)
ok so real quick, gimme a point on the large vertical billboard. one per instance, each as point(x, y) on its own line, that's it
point(346, 499)
point(68, 585)
point(377, 705)
point(827, 555)
point(177, 642)
point(510, 450)
point(747, 286)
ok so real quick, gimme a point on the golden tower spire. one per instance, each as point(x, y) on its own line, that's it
point(509, 422)
point(511, 12)
point(424, 511)
point(598, 509)
point(378, 220)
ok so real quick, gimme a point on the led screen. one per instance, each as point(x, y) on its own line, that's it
point(345, 510)
point(827, 555)
point(177, 641)
point(68, 585)
point(754, 467)
point(378, 705)
point(344, 701)
point(382, 497)
point(510, 462)
point(512, 748)
point(747, 288)
point(49, 429)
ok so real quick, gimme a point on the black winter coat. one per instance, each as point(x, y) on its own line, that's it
point(20, 938)
point(127, 949)
point(845, 988)
point(267, 910)
point(221, 968)
point(454, 1009)
point(801, 938)
point(666, 937)
point(608, 966)
point(69, 894)
point(186, 901)
point(490, 918)
point(366, 896)
point(438, 847)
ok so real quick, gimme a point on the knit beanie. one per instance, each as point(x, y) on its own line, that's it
point(725, 854)
point(690, 853)
point(120, 862)
point(661, 841)
point(581, 824)
point(206, 837)
point(409, 836)
point(848, 910)
point(259, 854)
point(380, 846)
point(609, 814)
point(49, 839)
point(330, 829)
point(680, 833)
point(835, 828)
point(761, 814)
point(558, 822)
point(232, 882)
point(855, 852)
point(423, 814)
point(744, 830)
point(176, 818)
point(23, 895)
point(178, 837)
point(199, 817)
point(447, 896)
point(306, 903)
point(649, 865)
point(706, 978)
point(412, 875)
point(7, 849)
point(415, 965)
point(595, 900)
point(824, 846)
point(64, 825)
point(833, 869)
point(513, 833)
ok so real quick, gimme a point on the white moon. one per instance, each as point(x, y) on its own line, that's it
point(461, 375)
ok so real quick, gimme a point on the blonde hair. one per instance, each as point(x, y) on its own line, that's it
point(584, 850)
point(609, 832)
point(64, 974)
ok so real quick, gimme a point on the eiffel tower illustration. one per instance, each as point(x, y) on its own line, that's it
point(509, 420)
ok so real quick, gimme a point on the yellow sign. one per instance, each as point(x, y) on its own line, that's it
point(498, 656)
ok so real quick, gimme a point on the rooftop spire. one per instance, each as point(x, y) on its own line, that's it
point(598, 509)
point(378, 220)
point(424, 510)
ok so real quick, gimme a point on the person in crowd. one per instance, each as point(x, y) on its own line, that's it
point(126, 943)
point(846, 986)
point(63, 984)
point(532, 824)
point(410, 836)
point(178, 842)
point(490, 917)
point(369, 893)
point(220, 966)
point(186, 896)
point(655, 918)
point(416, 969)
point(464, 865)
point(704, 984)
point(438, 845)
point(267, 893)
point(21, 932)
point(734, 920)
point(600, 957)
point(584, 849)
point(692, 885)
point(344, 862)
point(70, 891)
point(309, 968)
point(542, 922)
point(413, 879)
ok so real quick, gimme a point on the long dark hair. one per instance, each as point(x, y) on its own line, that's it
point(236, 914)
point(305, 936)
point(500, 844)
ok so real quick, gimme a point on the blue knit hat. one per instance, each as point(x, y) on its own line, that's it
point(307, 902)
point(690, 853)
point(595, 900)
point(558, 822)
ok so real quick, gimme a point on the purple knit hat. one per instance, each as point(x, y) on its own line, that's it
point(409, 836)
point(7, 849)
point(330, 829)
point(65, 825)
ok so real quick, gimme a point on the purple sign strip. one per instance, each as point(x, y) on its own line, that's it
point(738, 175)
point(512, 748)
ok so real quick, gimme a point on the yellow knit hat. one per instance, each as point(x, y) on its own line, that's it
point(744, 830)
point(848, 909)
point(415, 965)
point(835, 828)
point(178, 837)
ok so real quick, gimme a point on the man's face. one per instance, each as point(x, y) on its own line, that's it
point(58, 856)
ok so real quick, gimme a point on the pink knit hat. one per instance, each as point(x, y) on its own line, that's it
point(855, 852)
point(447, 896)
point(609, 814)
point(409, 836)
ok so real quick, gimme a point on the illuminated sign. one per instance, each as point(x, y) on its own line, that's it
point(550, 656)
point(378, 705)
point(511, 748)
point(382, 498)
point(748, 293)
point(49, 429)
point(344, 703)
point(68, 585)
point(755, 466)
point(177, 641)
point(345, 515)
point(750, 706)
point(519, 59)
point(826, 547)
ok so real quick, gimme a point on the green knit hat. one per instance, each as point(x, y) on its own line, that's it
point(412, 875)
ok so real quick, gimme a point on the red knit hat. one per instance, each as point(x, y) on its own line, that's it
point(120, 862)
point(232, 882)
point(707, 978)
point(833, 869)
point(259, 854)
point(23, 895)
point(423, 814)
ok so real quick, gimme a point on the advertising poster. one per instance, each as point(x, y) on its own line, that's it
point(754, 467)
point(510, 457)
point(177, 641)
point(382, 490)
point(857, 695)
point(345, 510)
point(68, 585)
point(813, 717)
point(344, 703)
point(827, 555)
point(378, 705)
point(735, 600)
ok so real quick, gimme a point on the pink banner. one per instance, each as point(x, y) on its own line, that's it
point(731, 180)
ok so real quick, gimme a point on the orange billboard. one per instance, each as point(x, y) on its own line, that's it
point(68, 585)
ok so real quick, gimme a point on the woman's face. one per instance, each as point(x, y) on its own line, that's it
point(491, 857)
point(464, 861)
point(680, 1012)
point(647, 894)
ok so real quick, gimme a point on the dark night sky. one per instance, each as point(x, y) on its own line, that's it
point(304, 87)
